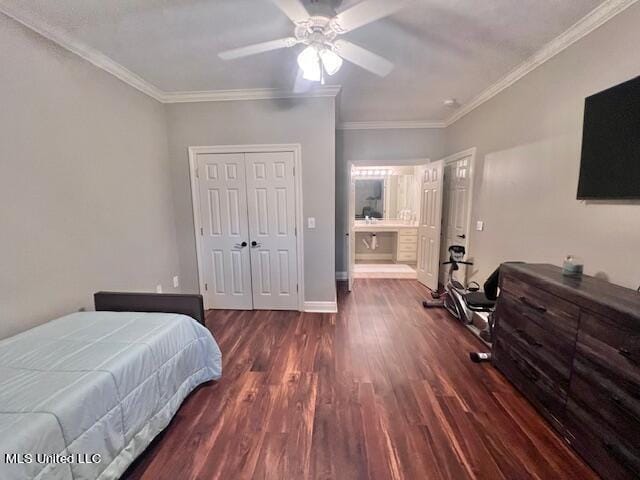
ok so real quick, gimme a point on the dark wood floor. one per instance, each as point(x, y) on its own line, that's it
point(384, 389)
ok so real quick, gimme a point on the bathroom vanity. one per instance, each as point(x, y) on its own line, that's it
point(405, 245)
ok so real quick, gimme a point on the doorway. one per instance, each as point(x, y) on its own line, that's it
point(248, 226)
point(384, 208)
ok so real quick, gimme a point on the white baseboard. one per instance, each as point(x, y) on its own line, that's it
point(321, 307)
point(342, 276)
point(374, 256)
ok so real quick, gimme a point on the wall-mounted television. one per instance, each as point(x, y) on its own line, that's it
point(610, 162)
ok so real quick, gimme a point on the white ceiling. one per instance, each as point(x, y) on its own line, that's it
point(441, 48)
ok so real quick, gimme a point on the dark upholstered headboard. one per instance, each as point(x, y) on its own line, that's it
point(185, 304)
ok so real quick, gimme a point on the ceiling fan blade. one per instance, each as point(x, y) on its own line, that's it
point(363, 58)
point(294, 9)
point(257, 48)
point(367, 12)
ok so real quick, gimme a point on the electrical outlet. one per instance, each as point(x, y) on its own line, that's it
point(158, 288)
point(176, 282)
point(479, 225)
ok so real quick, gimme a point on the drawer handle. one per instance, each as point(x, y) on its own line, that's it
point(626, 353)
point(617, 453)
point(528, 303)
point(528, 338)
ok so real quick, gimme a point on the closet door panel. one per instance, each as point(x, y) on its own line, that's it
point(223, 215)
point(271, 207)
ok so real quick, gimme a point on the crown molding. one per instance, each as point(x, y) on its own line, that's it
point(91, 55)
point(105, 63)
point(594, 19)
point(248, 94)
point(583, 27)
point(390, 125)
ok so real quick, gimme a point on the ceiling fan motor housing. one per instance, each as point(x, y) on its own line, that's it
point(318, 30)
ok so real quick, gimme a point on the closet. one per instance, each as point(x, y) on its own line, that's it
point(245, 218)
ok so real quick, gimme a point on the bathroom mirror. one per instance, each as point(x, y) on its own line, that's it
point(370, 198)
point(388, 193)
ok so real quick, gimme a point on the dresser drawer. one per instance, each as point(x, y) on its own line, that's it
point(549, 350)
point(605, 401)
point(411, 240)
point(538, 306)
point(600, 446)
point(611, 342)
point(407, 247)
point(410, 233)
point(606, 375)
point(407, 256)
point(546, 394)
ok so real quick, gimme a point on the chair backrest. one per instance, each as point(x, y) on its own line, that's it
point(491, 284)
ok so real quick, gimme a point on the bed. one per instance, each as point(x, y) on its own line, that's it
point(83, 395)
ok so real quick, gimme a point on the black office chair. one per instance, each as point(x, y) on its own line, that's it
point(484, 301)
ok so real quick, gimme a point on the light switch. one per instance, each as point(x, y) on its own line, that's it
point(479, 225)
point(158, 288)
point(311, 222)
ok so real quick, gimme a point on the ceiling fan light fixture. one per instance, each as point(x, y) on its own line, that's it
point(331, 61)
point(309, 63)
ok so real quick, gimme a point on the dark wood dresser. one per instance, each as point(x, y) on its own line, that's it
point(572, 347)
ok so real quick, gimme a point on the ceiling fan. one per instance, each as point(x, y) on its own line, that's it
point(319, 31)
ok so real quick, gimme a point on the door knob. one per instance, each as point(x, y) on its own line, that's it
point(255, 244)
point(463, 236)
point(240, 245)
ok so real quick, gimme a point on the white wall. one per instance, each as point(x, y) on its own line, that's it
point(310, 122)
point(528, 140)
point(85, 197)
point(388, 147)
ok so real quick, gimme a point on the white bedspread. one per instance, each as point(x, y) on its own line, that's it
point(96, 383)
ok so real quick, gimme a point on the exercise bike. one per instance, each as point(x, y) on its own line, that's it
point(462, 301)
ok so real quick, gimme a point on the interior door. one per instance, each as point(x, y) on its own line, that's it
point(430, 224)
point(224, 251)
point(457, 185)
point(351, 239)
point(272, 230)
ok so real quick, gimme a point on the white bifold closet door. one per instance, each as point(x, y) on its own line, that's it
point(225, 262)
point(248, 246)
point(271, 202)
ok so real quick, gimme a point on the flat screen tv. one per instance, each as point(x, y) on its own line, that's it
point(610, 163)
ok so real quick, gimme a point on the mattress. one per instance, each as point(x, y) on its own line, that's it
point(82, 396)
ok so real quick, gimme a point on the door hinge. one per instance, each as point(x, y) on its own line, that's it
point(297, 287)
point(197, 172)
point(294, 171)
point(295, 231)
point(206, 286)
point(201, 231)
